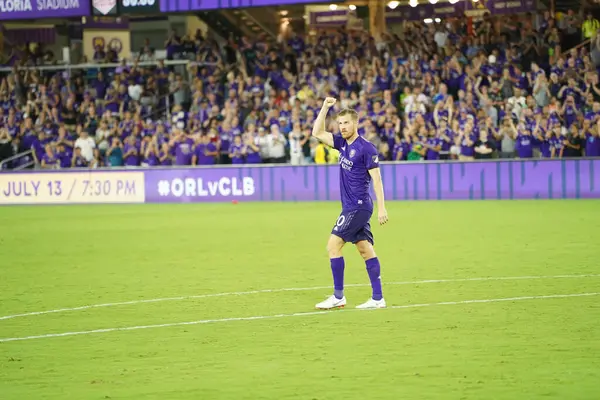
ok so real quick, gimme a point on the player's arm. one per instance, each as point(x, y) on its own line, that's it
point(319, 131)
point(378, 187)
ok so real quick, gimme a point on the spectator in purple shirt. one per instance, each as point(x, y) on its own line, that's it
point(78, 160)
point(151, 155)
point(205, 152)
point(592, 141)
point(131, 152)
point(433, 146)
point(524, 142)
point(251, 149)
point(64, 158)
point(164, 155)
point(466, 140)
point(183, 145)
point(49, 159)
point(236, 151)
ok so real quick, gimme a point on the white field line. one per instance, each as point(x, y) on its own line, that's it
point(278, 316)
point(300, 289)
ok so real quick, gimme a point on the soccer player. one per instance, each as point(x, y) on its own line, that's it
point(359, 164)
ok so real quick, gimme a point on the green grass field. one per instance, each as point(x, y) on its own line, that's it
point(530, 347)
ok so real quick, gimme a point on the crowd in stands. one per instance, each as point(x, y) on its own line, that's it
point(498, 88)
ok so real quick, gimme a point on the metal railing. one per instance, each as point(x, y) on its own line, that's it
point(167, 63)
point(90, 70)
point(4, 164)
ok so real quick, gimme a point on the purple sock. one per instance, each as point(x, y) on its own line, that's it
point(374, 271)
point(337, 269)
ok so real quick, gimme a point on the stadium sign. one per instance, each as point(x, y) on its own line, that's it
point(196, 5)
point(329, 18)
point(499, 7)
point(422, 11)
point(511, 7)
point(33, 9)
point(468, 8)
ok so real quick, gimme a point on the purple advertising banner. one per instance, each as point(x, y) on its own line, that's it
point(30, 9)
point(510, 6)
point(502, 180)
point(329, 18)
point(445, 10)
point(195, 5)
point(559, 179)
point(498, 7)
point(422, 11)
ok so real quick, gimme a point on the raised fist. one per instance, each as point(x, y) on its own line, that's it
point(329, 102)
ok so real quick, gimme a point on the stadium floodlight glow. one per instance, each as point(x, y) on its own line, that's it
point(438, 20)
point(413, 3)
point(433, 1)
point(475, 1)
point(352, 7)
point(428, 20)
point(393, 4)
point(333, 7)
point(453, 1)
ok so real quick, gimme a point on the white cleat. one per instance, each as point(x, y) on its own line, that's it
point(331, 302)
point(373, 304)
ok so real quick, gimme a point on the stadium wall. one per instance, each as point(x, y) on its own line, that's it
point(493, 180)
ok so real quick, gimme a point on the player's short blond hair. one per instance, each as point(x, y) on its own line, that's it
point(347, 111)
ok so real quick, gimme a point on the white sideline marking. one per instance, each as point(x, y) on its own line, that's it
point(202, 296)
point(276, 316)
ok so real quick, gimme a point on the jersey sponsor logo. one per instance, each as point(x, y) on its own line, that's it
point(345, 163)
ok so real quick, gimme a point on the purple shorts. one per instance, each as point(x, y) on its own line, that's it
point(354, 226)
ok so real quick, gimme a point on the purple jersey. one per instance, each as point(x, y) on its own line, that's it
point(432, 154)
point(556, 143)
point(64, 159)
point(466, 149)
point(237, 154)
point(80, 162)
point(524, 146)
point(398, 149)
point(50, 160)
point(252, 156)
point(201, 150)
point(226, 139)
point(167, 160)
point(132, 159)
point(184, 152)
point(356, 159)
point(545, 148)
point(592, 145)
point(152, 159)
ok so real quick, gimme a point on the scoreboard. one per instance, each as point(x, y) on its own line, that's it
point(111, 8)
